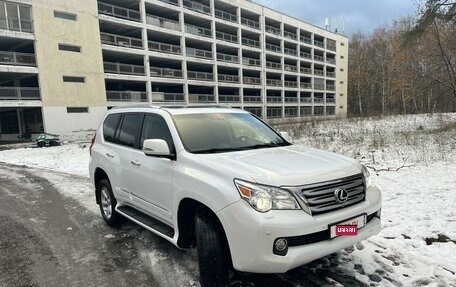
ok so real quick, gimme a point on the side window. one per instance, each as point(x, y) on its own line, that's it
point(129, 129)
point(110, 126)
point(155, 127)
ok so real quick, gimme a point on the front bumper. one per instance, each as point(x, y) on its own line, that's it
point(251, 234)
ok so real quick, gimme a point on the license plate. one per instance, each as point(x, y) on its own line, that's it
point(348, 227)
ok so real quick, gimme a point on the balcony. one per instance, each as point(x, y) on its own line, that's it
point(225, 15)
point(306, 85)
point(165, 72)
point(319, 72)
point(331, 47)
point(319, 87)
point(250, 23)
point(273, 48)
point(228, 78)
point(251, 62)
point(273, 65)
point(306, 40)
point(251, 81)
point(331, 74)
point(290, 35)
point(165, 48)
point(306, 71)
point(229, 99)
point(201, 98)
point(20, 94)
point(124, 69)
point(198, 53)
point(274, 83)
point(198, 7)
point(291, 84)
point(199, 31)
point(319, 44)
point(226, 37)
point(273, 30)
point(172, 2)
point(119, 12)
point(227, 58)
point(291, 99)
point(291, 52)
point(252, 99)
point(290, 68)
point(126, 96)
point(319, 58)
point(250, 42)
point(200, 76)
point(17, 59)
point(331, 61)
point(330, 87)
point(163, 23)
point(121, 41)
point(319, 100)
point(274, 99)
point(330, 101)
point(306, 55)
point(306, 100)
point(158, 97)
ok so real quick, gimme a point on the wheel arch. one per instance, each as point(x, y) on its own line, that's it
point(100, 174)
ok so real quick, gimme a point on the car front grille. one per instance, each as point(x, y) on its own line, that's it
point(321, 199)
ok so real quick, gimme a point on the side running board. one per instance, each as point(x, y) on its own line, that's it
point(146, 221)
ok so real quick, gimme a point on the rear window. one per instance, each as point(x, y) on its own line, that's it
point(110, 126)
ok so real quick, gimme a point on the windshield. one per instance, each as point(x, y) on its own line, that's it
point(224, 132)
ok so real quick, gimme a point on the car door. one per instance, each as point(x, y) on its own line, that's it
point(152, 179)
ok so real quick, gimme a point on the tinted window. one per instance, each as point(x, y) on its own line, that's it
point(130, 129)
point(110, 126)
point(155, 127)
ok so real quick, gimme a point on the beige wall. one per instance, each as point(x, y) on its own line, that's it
point(53, 63)
point(341, 76)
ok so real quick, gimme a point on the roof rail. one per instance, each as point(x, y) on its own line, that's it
point(136, 106)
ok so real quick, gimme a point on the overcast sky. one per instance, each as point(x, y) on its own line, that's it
point(360, 15)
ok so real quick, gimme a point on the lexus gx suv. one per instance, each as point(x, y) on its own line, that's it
point(224, 181)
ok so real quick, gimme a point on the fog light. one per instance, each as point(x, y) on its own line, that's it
point(281, 244)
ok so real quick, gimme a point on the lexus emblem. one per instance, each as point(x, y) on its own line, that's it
point(341, 195)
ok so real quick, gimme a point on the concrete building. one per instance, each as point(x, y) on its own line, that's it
point(63, 63)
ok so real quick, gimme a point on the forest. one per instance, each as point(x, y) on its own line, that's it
point(406, 67)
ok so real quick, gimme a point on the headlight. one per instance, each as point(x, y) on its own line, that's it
point(264, 198)
point(367, 176)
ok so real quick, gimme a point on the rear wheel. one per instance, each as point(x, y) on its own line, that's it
point(107, 203)
point(213, 251)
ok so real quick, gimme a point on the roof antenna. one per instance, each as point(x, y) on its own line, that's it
point(327, 24)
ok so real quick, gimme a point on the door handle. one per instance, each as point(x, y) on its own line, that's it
point(110, 155)
point(136, 162)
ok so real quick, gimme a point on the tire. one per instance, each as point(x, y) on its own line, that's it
point(41, 143)
point(108, 203)
point(213, 252)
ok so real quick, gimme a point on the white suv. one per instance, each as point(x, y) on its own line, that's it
point(225, 181)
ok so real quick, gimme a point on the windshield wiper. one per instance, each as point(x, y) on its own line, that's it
point(265, 145)
point(217, 150)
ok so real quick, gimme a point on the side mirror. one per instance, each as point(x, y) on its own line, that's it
point(156, 147)
point(285, 136)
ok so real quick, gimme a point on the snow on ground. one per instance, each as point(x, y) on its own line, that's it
point(412, 159)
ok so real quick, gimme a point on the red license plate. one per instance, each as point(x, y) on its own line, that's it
point(346, 230)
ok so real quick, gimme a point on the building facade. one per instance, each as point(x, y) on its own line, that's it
point(63, 63)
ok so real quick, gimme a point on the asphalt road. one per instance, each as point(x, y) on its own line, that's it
point(47, 239)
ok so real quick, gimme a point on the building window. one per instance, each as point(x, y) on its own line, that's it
point(342, 57)
point(291, 112)
point(77, 110)
point(341, 94)
point(9, 123)
point(257, 111)
point(65, 15)
point(71, 79)
point(330, 111)
point(342, 44)
point(319, 111)
point(306, 111)
point(15, 17)
point(341, 107)
point(70, 48)
point(341, 82)
point(341, 69)
point(274, 112)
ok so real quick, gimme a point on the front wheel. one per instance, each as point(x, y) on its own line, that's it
point(213, 251)
point(107, 203)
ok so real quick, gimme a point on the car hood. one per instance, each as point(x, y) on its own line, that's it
point(287, 166)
